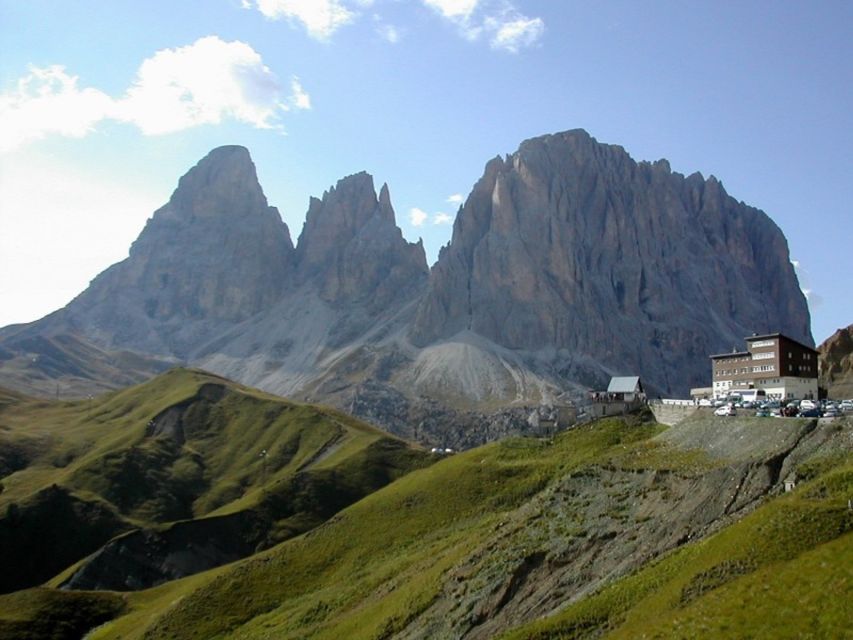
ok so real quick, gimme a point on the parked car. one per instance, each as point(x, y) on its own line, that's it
point(807, 404)
point(831, 412)
point(762, 413)
point(726, 410)
point(704, 402)
point(846, 406)
point(810, 413)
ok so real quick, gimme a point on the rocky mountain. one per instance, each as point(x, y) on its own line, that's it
point(569, 262)
point(213, 256)
point(836, 363)
point(570, 247)
point(352, 251)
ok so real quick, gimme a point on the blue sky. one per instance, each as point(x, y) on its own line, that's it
point(104, 105)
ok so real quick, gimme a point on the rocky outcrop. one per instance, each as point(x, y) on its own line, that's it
point(213, 256)
point(570, 246)
point(352, 251)
point(836, 363)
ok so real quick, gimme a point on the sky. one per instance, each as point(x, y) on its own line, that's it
point(104, 105)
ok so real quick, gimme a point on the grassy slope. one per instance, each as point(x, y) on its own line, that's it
point(98, 455)
point(374, 566)
point(756, 578)
point(60, 615)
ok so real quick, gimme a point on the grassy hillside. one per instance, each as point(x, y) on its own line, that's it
point(444, 550)
point(246, 468)
point(618, 528)
point(785, 571)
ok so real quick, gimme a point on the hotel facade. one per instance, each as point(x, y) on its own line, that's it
point(780, 366)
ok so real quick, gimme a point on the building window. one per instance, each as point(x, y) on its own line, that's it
point(764, 367)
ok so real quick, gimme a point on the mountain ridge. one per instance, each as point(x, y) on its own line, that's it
point(569, 263)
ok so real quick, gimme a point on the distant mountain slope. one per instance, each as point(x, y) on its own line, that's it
point(235, 470)
point(611, 527)
point(836, 363)
point(66, 365)
point(569, 263)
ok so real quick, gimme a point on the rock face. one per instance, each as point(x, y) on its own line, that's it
point(569, 262)
point(836, 363)
point(571, 247)
point(214, 255)
point(351, 249)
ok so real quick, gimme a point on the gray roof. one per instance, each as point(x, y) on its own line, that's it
point(625, 384)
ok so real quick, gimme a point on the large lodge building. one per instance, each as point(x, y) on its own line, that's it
point(782, 367)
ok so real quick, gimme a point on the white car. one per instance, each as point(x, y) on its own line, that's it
point(725, 410)
point(807, 404)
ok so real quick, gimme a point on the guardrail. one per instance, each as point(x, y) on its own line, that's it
point(675, 402)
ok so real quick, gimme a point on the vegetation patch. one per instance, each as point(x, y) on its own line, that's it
point(45, 614)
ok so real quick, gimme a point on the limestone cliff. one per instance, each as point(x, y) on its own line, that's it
point(352, 250)
point(213, 256)
point(572, 247)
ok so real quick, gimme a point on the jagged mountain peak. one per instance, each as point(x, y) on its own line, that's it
point(223, 183)
point(215, 254)
point(352, 249)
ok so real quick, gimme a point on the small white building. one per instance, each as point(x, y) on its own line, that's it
point(626, 389)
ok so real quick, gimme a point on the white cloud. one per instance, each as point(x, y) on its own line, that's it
point(511, 34)
point(417, 216)
point(456, 198)
point(175, 89)
point(299, 98)
point(201, 83)
point(321, 18)
point(442, 218)
point(814, 299)
point(505, 26)
point(455, 9)
point(46, 102)
point(389, 33)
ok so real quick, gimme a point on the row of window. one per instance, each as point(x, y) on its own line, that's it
point(763, 368)
point(763, 343)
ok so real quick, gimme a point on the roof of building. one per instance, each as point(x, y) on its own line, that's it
point(733, 354)
point(779, 335)
point(753, 338)
point(624, 384)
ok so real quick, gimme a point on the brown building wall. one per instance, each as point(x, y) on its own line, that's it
point(769, 356)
